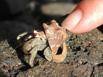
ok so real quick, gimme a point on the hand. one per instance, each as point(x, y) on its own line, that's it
point(87, 15)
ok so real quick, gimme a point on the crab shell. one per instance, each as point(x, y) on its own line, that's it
point(56, 37)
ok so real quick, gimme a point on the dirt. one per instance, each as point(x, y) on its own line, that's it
point(84, 59)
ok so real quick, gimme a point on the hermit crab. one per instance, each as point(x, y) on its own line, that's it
point(51, 42)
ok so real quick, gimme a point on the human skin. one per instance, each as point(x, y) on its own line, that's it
point(87, 16)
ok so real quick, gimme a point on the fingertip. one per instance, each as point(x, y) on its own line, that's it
point(83, 28)
point(72, 20)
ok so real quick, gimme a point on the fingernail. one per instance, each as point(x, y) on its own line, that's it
point(72, 20)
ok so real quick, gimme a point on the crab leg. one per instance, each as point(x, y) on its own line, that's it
point(33, 54)
point(48, 54)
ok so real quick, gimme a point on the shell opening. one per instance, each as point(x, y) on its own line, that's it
point(59, 51)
